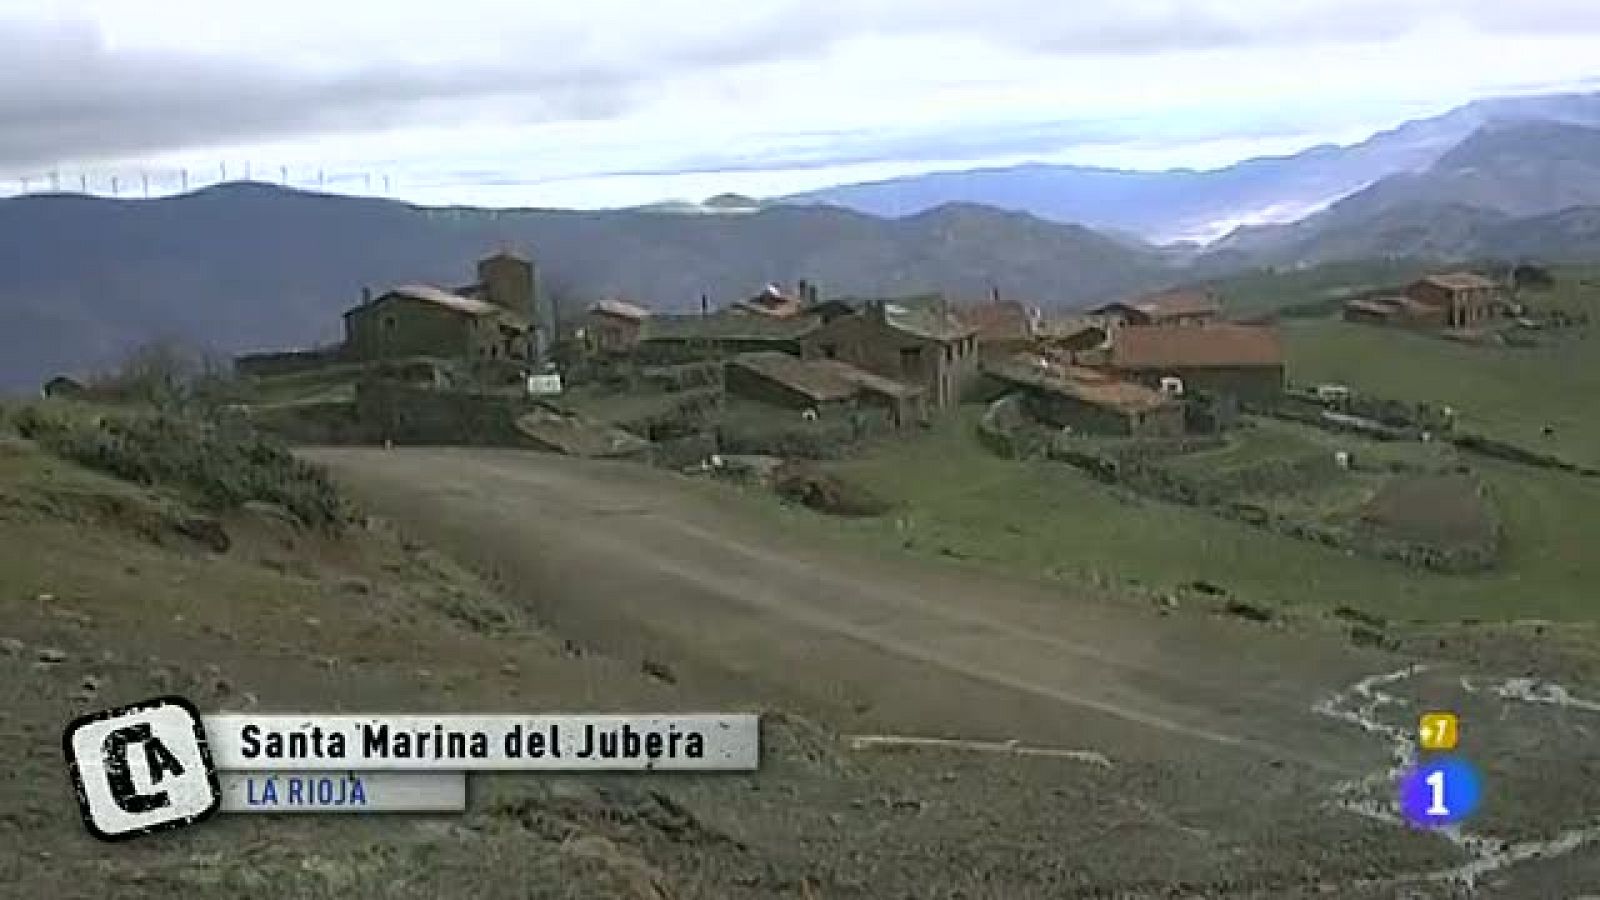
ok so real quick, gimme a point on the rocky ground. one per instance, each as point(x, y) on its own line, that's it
point(1161, 752)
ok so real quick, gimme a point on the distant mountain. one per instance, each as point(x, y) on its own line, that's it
point(252, 266)
point(720, 204)
point(1459, 207)
point(1205, 205)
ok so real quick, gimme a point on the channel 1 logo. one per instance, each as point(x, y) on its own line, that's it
point(142, 768)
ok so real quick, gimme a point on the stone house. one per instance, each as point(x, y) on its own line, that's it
point(491, 319)
point(826, 386)
point(1397, 311)
point(1089, 401)
point(676, 339)
point(1242, 361)
point(1067, 338)
point(917, 341)
point(612, 327)
point(418, 320)
point(1177, 307)
point(1003, 327)
point(773, 302)
point(1463, 299)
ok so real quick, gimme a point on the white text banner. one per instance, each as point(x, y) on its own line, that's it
point(690, 742)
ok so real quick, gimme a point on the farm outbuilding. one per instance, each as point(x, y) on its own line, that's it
point(822, 386)
point(1091, 402)
point(1245, 361)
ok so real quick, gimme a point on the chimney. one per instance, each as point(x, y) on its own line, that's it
point(705, 305)
point(816, 295)
point(803, 293)
point(366, 295)
point(994, 293)
point(876, 311)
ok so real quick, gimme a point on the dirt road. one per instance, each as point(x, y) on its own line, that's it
point(637, 561)
point(1266, 753)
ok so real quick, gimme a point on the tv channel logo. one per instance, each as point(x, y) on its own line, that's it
point(142, 768)
point(1440, 793)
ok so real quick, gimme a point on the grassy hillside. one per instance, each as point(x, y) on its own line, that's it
point(1317, 289)
point(1504, 392)
point(958, 500)
point(1046, 518)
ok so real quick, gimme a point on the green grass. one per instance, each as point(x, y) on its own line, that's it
point(619, 406)
point(1047, 519)
point(1246, 449)
point(1255, 293)
point(1274, 439)
point(318, 385)
point(1505, 393)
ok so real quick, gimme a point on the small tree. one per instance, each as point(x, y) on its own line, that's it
point(168, 374)
point(1531, 276)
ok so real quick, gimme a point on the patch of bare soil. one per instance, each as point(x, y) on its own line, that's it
point(826, 492)
point(1444, 511)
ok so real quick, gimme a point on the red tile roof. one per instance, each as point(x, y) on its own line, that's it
point(1460, 281)
point(1178, 302)
point(1005, 320)
point(1086, 385)
point(1207, 346)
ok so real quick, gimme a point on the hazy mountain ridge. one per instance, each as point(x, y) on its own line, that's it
point(1489, 195)
point(251, 266)
point(1178, 204)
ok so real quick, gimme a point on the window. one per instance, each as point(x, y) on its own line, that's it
point(388, 323)
point(829, 351)
point(910, 358)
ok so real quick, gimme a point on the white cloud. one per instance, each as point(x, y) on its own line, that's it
point(610, 101)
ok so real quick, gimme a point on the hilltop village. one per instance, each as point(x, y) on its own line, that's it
point(1162, 394)
point(432, 364)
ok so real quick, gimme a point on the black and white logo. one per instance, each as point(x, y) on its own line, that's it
point(141, 769)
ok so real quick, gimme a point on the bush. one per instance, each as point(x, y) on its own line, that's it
point(821, 439)
point(827, 493)
point(221, 465)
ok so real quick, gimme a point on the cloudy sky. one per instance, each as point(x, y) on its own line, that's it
point(615, 102)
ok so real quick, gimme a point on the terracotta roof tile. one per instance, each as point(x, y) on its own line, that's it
point(1085, 385)
point(1006, 320)
point(1460, 281)
point(1207, 346)
point(1179, 302)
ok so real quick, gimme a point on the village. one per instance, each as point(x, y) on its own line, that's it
point(1161, 394)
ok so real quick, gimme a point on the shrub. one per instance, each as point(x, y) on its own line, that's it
point(221, 465)
point(827, 493)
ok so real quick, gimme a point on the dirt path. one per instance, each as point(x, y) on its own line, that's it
point(1230, 741)
point(637, 561)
